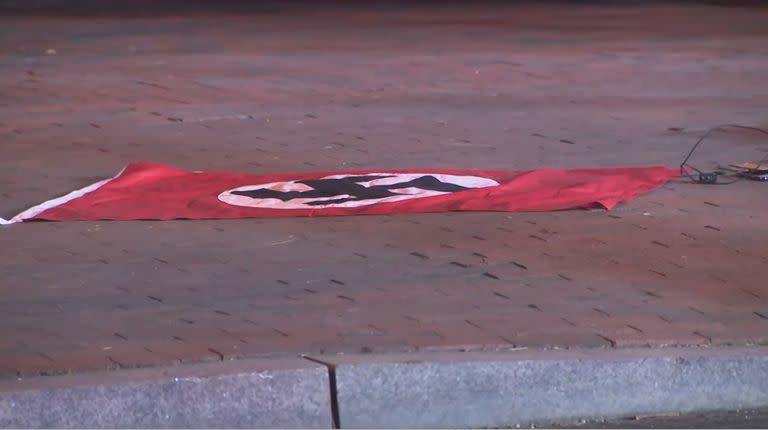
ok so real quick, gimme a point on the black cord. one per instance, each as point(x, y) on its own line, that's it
point(684, 164)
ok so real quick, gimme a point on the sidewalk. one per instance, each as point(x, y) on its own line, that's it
point(283, 89)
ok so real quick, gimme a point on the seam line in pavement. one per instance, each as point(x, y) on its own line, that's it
point(332, 384)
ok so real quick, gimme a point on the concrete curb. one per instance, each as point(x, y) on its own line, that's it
point(258, 393)
point(504, 389)
point(437, 389)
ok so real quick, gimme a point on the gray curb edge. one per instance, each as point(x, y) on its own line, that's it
point(504, 389)
point(430, 389)
point(254, 393)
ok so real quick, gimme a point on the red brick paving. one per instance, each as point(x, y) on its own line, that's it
point(291, 89)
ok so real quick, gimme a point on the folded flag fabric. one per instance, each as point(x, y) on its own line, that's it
point(150, 191)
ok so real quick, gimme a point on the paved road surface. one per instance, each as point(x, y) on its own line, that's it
point(367, 86)
point(280, 86)
point(757, 418)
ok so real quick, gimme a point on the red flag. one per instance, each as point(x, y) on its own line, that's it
point(148, 191)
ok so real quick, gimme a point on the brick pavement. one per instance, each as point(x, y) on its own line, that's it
point(287, 89)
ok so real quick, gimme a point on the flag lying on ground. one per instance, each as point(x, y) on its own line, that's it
point(148, 191)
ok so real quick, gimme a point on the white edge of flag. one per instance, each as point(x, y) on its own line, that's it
point(36, 210)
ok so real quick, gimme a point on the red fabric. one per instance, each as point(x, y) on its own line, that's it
point(148, 191)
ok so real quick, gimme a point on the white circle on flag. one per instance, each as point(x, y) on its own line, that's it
point(350, 191)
